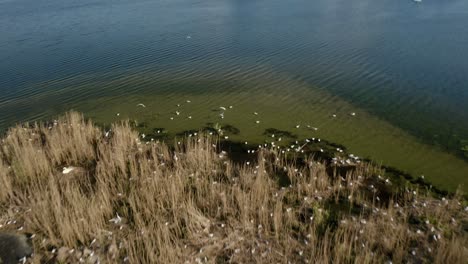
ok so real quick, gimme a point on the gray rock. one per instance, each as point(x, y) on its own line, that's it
point(14, 247)
point(87, 252)
point(62, 254)
point(113, 251)
point(93, 259)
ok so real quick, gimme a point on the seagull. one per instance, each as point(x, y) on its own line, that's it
point(67, 170)
point(222, 108)
point(258, 122)
point(255, 113)
point(334, 115)
point(142, 105)
point(177, 112)
point(188, 101)
point(353, 114)
point(116, 220)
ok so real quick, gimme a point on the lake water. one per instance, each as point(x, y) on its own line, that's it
point(401, 66)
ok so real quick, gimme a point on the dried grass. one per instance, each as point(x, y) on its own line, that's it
point(146, 202)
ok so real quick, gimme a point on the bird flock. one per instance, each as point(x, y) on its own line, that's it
point(223, 112)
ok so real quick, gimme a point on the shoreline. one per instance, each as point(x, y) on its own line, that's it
point(288, 139)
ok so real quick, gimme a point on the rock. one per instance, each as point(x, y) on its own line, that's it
point(62, 254)
point(78, 254)
point(14, 247)
point(87, 252)
point(113, 250)
point(92, 259)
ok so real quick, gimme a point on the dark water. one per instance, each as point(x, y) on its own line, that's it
point(403, 66)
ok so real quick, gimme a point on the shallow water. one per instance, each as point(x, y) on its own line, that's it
point(399, 65)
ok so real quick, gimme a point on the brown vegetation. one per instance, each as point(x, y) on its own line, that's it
point(127, 200)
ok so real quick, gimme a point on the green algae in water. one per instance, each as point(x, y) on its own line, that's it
point(252, 106)
point(363, 134)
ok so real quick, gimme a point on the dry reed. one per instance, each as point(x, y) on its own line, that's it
point(127, 200)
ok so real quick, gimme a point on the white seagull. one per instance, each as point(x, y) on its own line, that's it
point(116, 220)
point(67, 170)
